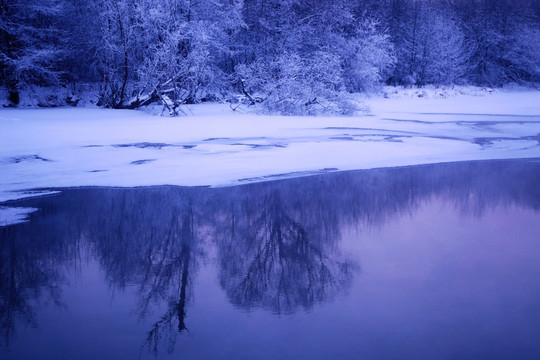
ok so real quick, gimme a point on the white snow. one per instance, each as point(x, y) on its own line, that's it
point(14, 215)
point(213, 145)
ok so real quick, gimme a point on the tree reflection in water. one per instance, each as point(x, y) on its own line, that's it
point(268, 259)
point(277, 243)
point(154, 246)
point(170, 268)
point(27, 279)
point(33, 268)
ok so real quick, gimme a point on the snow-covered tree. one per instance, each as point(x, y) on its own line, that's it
point(82, 34)
point(368, 55)
point(431, 47)
point(522, 54)
point(502, 36)
point(115, 57)
point(176, 50)
point(30, 44)
point(441, 55)
point(186, 51)
point(309, 54)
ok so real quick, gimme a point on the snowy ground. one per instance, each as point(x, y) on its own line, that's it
point(213, 145)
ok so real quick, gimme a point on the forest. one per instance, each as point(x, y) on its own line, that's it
point(286, 56)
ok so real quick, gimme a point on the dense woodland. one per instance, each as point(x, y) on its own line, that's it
point(290, 56)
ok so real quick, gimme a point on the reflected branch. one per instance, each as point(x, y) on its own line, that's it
point(277, 266)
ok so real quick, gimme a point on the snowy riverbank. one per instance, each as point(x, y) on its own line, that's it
point(213, 145)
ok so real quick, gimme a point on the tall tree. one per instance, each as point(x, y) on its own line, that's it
point(115, 55)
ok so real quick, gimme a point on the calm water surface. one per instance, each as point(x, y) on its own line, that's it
point(428, 262)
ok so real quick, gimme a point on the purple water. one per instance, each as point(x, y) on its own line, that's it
point(427, 262)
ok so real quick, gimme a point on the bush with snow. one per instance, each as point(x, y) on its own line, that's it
point(293, 85)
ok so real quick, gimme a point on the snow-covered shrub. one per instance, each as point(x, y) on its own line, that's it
point(293, 85)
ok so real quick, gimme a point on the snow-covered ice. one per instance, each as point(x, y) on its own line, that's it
point(213, 145)
point(14, 215)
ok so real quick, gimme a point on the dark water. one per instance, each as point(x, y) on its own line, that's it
point(428, 262)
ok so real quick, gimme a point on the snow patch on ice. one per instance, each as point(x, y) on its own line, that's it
point(216, 146)
point(14, 215)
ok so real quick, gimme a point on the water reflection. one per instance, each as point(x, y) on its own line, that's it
point(268, 258)
point(275, 245)
point(32, 274)
point(150, 240)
